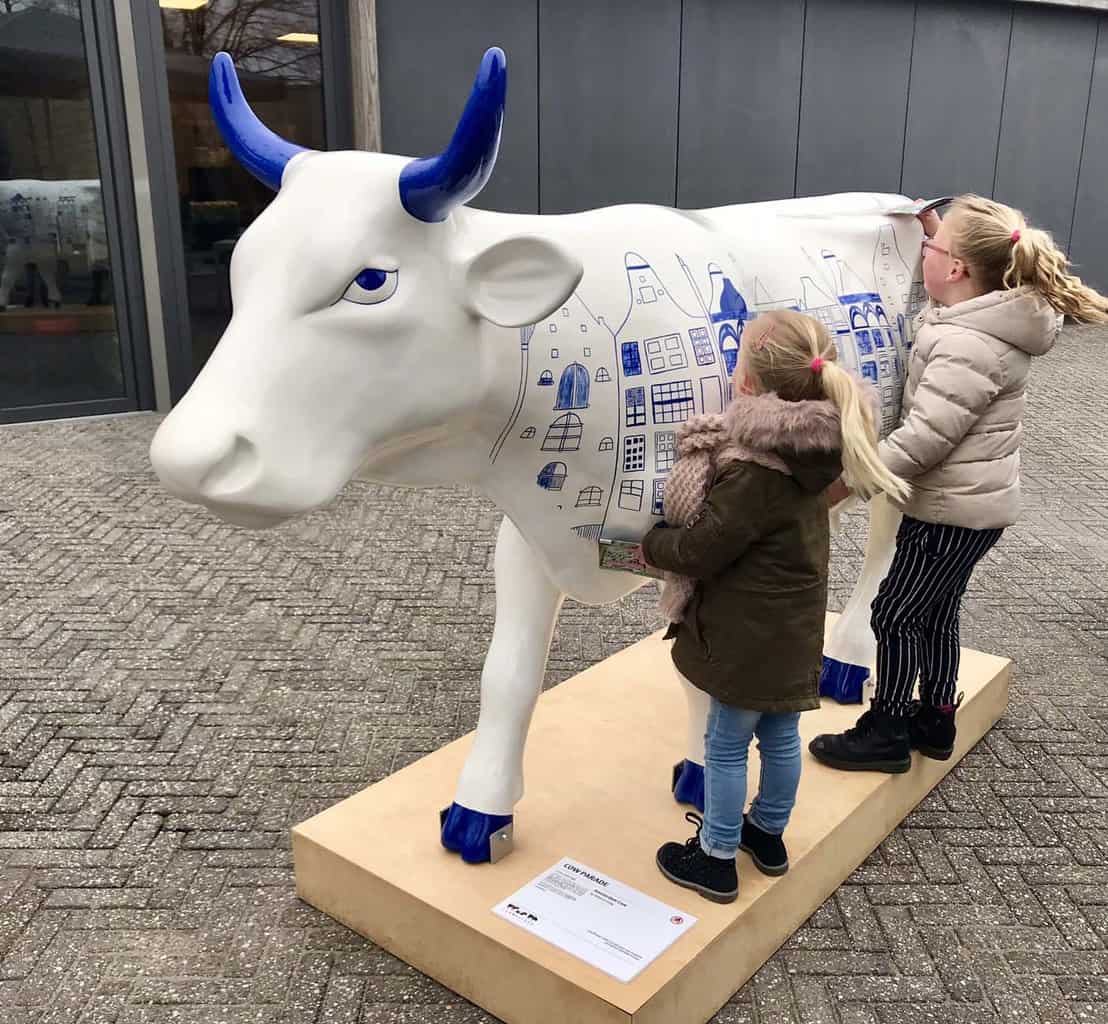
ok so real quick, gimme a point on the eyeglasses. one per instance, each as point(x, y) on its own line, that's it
point(928, 244)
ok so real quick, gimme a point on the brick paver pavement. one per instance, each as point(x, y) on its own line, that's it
point(176, 693)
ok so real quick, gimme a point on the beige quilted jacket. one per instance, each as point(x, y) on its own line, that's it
point(958, 442)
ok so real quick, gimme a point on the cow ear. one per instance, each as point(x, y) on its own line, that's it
point(520, 280)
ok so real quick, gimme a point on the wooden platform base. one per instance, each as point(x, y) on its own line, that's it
point(598, 766)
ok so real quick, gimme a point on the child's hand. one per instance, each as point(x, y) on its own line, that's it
point(930, 221)
point(838, 492)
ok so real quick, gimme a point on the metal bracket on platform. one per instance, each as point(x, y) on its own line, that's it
point(501, 843)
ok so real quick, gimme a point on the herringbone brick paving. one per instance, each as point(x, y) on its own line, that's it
point(176, 693)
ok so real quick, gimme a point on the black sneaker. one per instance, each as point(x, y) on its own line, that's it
point(766, 849)
point(878, 742)
point(932, 731)
point(688, 865)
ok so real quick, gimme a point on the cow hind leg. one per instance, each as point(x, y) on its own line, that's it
point(491, 782)
point(688, 775)
point(851, 648)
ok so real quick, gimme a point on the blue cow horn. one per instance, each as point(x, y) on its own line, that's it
point(431, 187)
point(262, 152)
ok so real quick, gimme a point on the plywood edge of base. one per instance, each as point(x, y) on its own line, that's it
point(708, 982)
point(487, 973)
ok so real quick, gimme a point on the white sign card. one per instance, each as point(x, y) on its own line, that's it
point(595, 918)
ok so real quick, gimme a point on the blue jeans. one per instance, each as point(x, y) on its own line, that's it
point(726, 745)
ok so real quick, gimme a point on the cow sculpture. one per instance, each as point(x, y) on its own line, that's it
point(383, 329)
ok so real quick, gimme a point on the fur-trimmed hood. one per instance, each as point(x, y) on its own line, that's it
point(801, 439)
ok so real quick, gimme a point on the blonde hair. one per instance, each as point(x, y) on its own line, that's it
point(779, 351)
point(1003, 251)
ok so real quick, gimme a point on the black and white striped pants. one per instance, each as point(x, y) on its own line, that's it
point(915, 613)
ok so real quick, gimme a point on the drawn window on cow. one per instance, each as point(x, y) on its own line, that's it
point(702, 346)
point(587, 352)
point(553, 353)
point(573, 388)
point(564, 434)
point(636, 407)
point(659, 495)
point(729, 347)
point(546, 379)
point(528, 433)
point(665, 450)
point(630, 495)
point(606, 444)
point(673, 402)
point(632, 362)
point(666, 352)
point(634, 453)
point(711, 394)
point(552, 476)
point(589, 497)
point(603, 376)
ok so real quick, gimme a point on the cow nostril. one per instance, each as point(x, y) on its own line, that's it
point(235, 471)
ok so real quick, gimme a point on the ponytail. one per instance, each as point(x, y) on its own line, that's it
point(862, 467)
point(1037, 261)
point(1004, 252)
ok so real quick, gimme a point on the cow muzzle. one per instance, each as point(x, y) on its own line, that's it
point(202, 466)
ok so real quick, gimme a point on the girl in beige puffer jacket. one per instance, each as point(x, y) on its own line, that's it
point(997, 287)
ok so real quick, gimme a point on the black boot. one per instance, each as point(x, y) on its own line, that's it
point(766, 849)
point(877, 743)
point(932, 730)
point(688, 865)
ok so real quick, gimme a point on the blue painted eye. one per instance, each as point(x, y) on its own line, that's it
point(371, 286)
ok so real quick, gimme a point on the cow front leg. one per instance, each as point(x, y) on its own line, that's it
point(491, 783)
point(851, 648)
point(688, 775)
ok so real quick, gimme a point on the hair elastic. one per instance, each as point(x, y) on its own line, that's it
point(1015, 236)
point(817, 364)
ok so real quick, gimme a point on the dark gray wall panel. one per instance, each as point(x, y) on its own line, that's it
point(1045, 102)
point(428, 54)
point(1089, 241)
point(740, 100)
point(955, 97)
point(608, 84)
point(854, 95)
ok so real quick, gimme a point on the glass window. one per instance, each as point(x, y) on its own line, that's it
point(275, 46)
point(58, 340)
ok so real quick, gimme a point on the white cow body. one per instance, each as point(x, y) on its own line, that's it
point(507, 353)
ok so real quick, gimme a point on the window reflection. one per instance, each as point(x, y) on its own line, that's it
point(275, 46)
point(58, 340)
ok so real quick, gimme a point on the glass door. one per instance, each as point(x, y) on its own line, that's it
point(276, 48)
point(61, 350)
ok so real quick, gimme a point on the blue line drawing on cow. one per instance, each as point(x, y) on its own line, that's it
point(525, 334)
point(672, 402)
point(631, 495)
point(659, 495)
point(564, 434)
point(665, 450)
point(634, 453)
point(632, 362)
point(552, 476)
point(573, 388)
point(635, 407)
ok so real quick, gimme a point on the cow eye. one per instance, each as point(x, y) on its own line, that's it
point(371, 286)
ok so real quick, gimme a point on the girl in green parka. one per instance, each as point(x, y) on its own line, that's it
point(745, 548)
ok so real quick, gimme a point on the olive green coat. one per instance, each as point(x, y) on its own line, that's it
point(752, 633)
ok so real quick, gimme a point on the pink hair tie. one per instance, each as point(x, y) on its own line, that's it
point(1015, 236)
point(817, 365)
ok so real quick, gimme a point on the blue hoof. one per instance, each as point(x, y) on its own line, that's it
point(468, 832)
point(688, 784)
point(842, 682)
